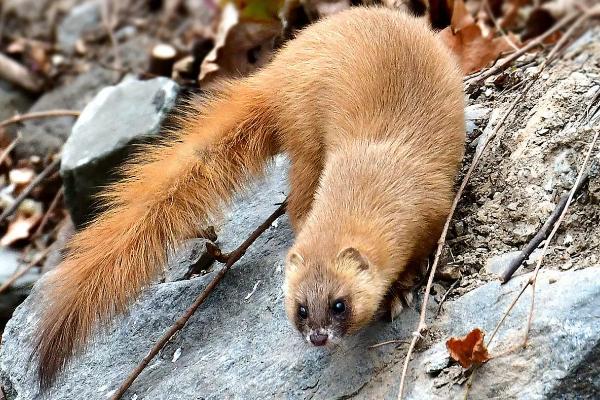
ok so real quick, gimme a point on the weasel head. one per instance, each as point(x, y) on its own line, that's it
point(327, 299)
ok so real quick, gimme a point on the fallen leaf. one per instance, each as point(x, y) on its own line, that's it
point(28, 215)
point(474, 50)
point(244, 40)
point(469, 349)
point(461, 18)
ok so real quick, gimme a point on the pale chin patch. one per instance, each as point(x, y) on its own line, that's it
point(332, 338)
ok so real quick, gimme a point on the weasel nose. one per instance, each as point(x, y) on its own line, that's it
point(318, 339)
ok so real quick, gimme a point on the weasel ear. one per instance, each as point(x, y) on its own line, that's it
point(294, 261)
point(352, 254)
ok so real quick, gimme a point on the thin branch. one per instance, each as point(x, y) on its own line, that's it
point(445, 296)
point(532, 281)
point(108, 12)
point(506, 314)
point(507, 62)
point(394, 341)
point(19, 273)
point(46, 217)
point(27, 191)
point(588, 14)
point(36, 115)
point(181, 322)
point(500, 29)
point(9, 148)
point(542, 234)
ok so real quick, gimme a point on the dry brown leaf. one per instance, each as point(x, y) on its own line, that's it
point(474, 50)
point(469, 349)
point(20, 228)
point(244, 40)
point(461, 18)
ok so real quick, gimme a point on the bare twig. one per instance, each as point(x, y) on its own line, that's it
point(27, 191)
point(533, 280)
point(36, 115)
point(19, 273)
point(9, 148)
point(394, 341)
point(529, 46)
point(542, 234)
point(506, 314)
point(16, 73)
point(46, 217)
point(500, 29)
point(445, 296)
point(180, 323)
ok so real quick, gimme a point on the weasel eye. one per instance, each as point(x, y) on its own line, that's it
point(339, 307)
point(302, 312)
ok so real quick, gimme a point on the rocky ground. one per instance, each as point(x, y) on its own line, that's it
point(240, 344)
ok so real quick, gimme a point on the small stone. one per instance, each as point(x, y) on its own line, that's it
point(543, 131)
point(102, 138)
point(459, 228)
point(567, 265)
point(437, 360)
point(81, 19)
point(498, 264)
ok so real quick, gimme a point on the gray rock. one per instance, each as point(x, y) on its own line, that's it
point(12, 100)
point(102, 138)
point(565, 337)
point(9, 299)
point(498, 264)
point(192, 253)
point(45, 136)
point(81, 19)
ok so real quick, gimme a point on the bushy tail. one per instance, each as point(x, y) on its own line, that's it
point(168, 191)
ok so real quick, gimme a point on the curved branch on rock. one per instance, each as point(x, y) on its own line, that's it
point(232, 258)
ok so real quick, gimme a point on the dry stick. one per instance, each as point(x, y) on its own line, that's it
point(534, 43)
point(36, 115)
point(27, 191)
point(394, 341)
point(533, 280)
point(108, 12)
point(542, 234)
point(46, 217)
point(490, 13)
point(19, 273)
point(588, 14)
point(445, 296)
point(180, 323)
point(11, 146)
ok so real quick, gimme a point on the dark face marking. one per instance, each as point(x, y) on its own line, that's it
point(323, 316)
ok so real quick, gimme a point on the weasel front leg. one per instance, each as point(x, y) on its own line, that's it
point(304, 180)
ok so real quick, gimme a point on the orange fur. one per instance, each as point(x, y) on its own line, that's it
point(368, 106)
